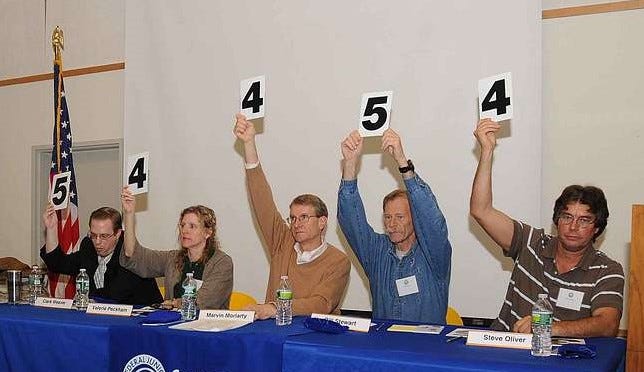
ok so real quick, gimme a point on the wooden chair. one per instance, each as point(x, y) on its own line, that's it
point(12, 263)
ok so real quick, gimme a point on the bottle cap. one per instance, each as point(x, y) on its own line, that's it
point(82, 270)
point(189, 275)
point(284, 277)
point(543, 295)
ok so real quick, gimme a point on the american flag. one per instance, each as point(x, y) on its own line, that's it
point(62, 161)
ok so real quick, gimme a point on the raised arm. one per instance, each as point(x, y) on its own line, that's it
point(144, 262)
point(351, 148)
point(495, 223)
point(128, 203)
point(392, 145)
point(272, 225)
point(50, 220)
point(55, 259)
point(245, 131)
point(351, 213)
point(429, 223)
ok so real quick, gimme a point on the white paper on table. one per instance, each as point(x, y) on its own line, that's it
point(458, 332)
point(210, 325)
point(422, 328)
point(558, 341)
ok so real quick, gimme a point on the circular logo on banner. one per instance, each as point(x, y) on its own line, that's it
point(143, 363)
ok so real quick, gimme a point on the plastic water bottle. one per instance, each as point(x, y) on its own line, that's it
point(542, 326)
point(81, 299)
point(284, 314)
point(189, 298)
point(35, 284)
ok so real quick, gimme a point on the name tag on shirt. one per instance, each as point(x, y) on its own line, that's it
point(570, 299)
point(407, 286)
point(199, 283)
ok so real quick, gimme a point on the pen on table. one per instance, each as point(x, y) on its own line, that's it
point(450, 339)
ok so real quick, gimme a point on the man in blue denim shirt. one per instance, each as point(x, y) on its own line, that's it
point(409, 266)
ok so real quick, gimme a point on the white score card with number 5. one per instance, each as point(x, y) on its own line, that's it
point(495, 97)
point(375, 110)
point(137, 172)
point(59, 193)
point(252, 96)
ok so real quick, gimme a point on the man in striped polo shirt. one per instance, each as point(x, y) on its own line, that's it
point(584, 286)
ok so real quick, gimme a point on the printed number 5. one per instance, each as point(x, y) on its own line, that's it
point(59, 193)
point(371, 109)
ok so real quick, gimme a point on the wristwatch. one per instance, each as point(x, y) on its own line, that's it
point(408, 168)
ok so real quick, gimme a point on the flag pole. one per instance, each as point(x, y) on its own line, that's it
point(58, 44)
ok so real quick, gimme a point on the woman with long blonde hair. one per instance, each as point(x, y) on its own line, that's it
point(199, 253)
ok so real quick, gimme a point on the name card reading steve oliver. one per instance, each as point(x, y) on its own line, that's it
point(499, 339)
point(354, 324)
point(109, 309)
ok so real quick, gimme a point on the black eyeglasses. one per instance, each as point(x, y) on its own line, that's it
point(96, 237)
point(303, 218)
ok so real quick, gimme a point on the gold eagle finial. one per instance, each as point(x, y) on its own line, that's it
point(57, 42)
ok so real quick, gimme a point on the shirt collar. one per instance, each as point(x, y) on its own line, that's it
point(587, 259)
point(395, 252)
point(105, 260)
point(304, 257)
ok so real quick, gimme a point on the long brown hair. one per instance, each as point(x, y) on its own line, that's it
point(209, 220)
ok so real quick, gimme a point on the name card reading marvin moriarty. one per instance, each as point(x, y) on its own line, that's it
point(248, 316)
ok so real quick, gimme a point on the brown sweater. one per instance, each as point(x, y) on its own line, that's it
point(217, 274)
point(317, 286)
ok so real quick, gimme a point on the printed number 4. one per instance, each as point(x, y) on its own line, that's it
point(496, 98)
point(137, 175)
point(252, 98)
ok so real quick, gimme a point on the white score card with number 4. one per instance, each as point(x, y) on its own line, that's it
point(136, 174)
point(59, 193)
point(495, 97)
point(375, 111)
point(251, 97)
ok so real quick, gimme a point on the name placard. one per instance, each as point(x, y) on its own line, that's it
point(246, 316)
point(56, 303)
point(499, 339)
point(109, 309)
point(354, 324)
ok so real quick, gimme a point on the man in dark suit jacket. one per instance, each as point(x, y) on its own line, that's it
point(99, 256)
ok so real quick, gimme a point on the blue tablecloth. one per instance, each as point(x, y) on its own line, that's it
point(395, 351)
point(40, 339)
point(255, 347)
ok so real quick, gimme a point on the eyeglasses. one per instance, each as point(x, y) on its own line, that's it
point(96, 237)
point(304, 218)
point(582, 221)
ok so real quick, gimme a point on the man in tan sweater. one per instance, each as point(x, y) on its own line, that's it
point(318, 271)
